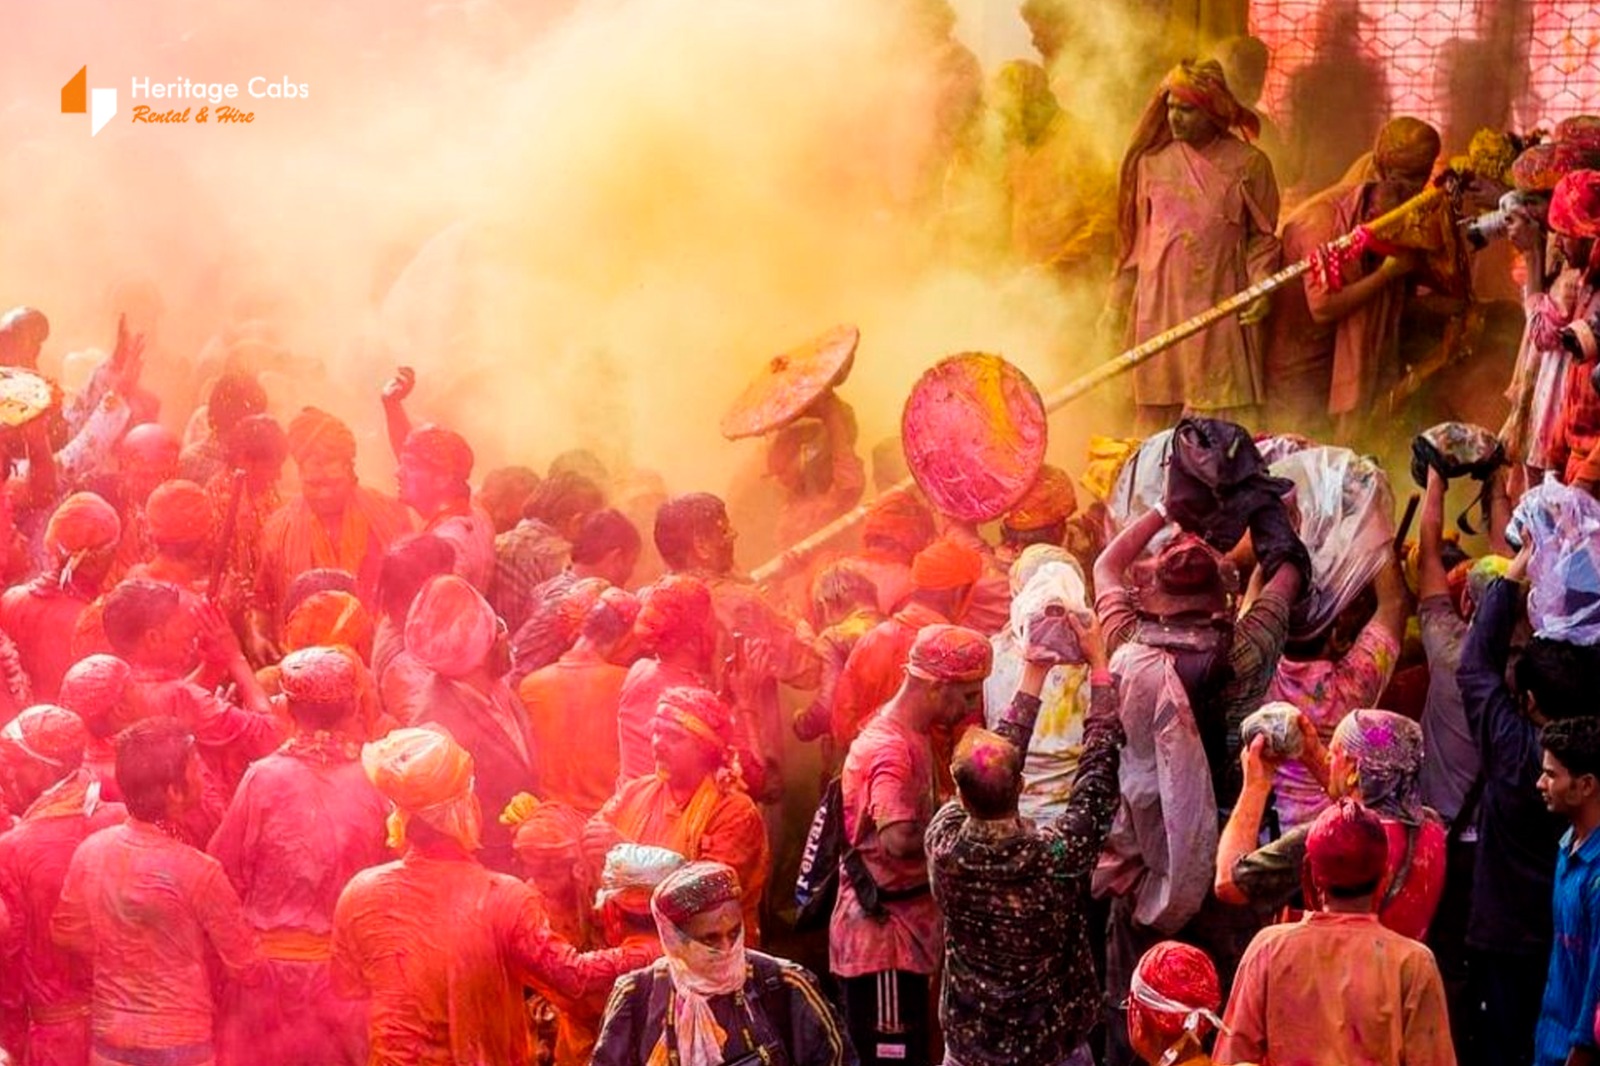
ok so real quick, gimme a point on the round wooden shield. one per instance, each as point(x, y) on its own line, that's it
point(974, 432)
point(25, 396)
point(791, 382)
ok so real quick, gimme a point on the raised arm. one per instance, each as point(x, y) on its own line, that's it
point(1110, 569)
point(1431, 577)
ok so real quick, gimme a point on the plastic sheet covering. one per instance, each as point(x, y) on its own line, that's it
point(1053, 585)
point(1346, 519)
point(1563, 524)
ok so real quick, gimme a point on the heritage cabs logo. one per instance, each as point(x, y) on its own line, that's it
point(202, 102)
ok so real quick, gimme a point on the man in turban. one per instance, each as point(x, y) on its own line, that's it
point(1173, 1005)
point(676, 630)
point(452, 674)
point(694, 802)
point(1040, 517)
point(572, 707)
point(943, 575)
point(712, 1000)
point(334, 522)
point(151, 915)
point(44, 1011)
point(289, 879)
point(885, 940)
point(147, 456)
point(80, 542)
point(1575, 219)
point(1388, 1003)
point(1329, 347)
point(439, 946)
point(95, 688)
point(183, 531)
point(435, 465)
point(896, 528)
point(1197, 214)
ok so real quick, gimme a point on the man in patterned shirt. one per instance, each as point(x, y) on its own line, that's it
point(1019, 981)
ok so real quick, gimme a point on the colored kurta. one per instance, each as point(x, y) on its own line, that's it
point(41, 618)
point(572, 711)
point(641, 689)
point(295, 540)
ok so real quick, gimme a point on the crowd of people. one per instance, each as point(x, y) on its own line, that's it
point(1223, 763)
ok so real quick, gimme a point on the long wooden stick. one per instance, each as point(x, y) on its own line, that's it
point(224, 548)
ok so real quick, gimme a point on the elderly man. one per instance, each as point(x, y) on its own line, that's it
point(289, 879)
point(885, 936)
point(453, 675)
point(1197, 212)
point(1328, 349)
point(1387, 1003)
point(44, 1011)
point(694, 803)
point(438, 945)
point(1015, 896)
point(152, 914)
point(711, 1000)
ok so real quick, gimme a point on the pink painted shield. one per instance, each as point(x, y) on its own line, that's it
point(791, 382)
point(974, 432)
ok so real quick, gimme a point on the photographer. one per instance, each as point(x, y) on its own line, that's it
point(1575, 218)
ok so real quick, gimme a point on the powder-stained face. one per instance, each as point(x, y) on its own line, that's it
point(1189, 123)
point(718, 928)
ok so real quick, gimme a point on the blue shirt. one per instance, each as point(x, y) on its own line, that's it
point(1572, 991)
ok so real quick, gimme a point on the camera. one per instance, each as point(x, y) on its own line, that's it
point(1496, 225)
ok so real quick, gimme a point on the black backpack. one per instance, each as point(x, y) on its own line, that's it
point(817, 886)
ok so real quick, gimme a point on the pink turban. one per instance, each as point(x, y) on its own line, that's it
point(1575, 204)
point(442, 449)
point(450, 628)
point(699, 713)
point(93, 688)
point(49, 735)
point(950, 653)
point(1347, 847)
point(318, 675)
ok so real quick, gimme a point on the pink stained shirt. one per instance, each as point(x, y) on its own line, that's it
point(150, 911)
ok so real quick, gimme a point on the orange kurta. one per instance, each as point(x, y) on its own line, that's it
point(572, 708)
point(294, 540)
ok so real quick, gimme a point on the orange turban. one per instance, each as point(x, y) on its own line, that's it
point(1575, 204)
point(1051, 499)
point(550, 831)
point(699, 713)
point(93, 689)
point(330, 618)
point(442, 449)
point(898, 519)
point(319, 675)
point(179, 512)
point(674, 610)
point(944, 564)
point(425, 774)
point(451, 627)
point(46, 734)
point(314, 432)
point(82, 524)
point(1203, 85)
point(1406, 144)
point(950, 653)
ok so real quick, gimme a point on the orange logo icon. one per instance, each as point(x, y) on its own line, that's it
point(77, 98)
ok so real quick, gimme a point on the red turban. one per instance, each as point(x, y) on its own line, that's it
point(83, 523)
point(179, 512)
point(697, 712)
point(318, 675)
point(1178, 985)
point(314, 432)
point(674, 610)
point(897, 518)
point(93, 689)
point(551, 831)
point(330, 617)
point(442, 449)
point(1575, 204)
point(950, 653)
point(46, 734)
point(1347, 847)
point(1051, 499)
point(1203, 85)
point(451, 628)
point(693, 890)
point(1580, 131)
point(944, 564)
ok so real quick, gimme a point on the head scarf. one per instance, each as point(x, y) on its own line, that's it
point(949, 653)
point(1031, 559)
point(699, 713)
point(82, 525)
point(1575, 204)
point(1347, 847)
point(697, 972)
point(632, 874)
point(899, 519)
point(544, 832)
point(330, 618)
point(442, 449)
point(1179, 983)
point(1405, 144)
point(1053, 584)
point(93, 688)
point(944, 564)
point(450, 628)
point(1387, 749)
point(674, 611)
point(51, 736)
point(179, 512)
point(1051, 499)
point(314, 433)
point(425, 774)
point(318, 675)
point(1202, 84)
